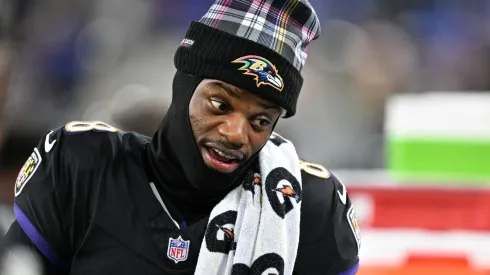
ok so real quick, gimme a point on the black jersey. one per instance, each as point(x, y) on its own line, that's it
point(84, 202)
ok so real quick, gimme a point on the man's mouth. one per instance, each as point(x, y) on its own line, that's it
point(224, 161)
point(220, 155)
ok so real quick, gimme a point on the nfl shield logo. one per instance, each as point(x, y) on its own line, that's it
point(177, 249)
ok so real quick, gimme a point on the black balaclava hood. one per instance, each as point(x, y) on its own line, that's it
point(176, 162)
point(219, 48)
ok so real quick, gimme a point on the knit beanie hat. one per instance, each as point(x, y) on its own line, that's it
point(257, 45)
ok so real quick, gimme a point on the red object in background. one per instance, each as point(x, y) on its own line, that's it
point(435, 208)
point(427, 265)
point(454, 261)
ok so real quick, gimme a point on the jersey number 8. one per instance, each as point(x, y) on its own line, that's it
point(85, 126)
point(314, 169)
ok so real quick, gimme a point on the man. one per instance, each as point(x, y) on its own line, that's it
point(214, 191)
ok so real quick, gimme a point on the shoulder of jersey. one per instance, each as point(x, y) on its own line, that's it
point(315, 175)
point(319, 184)
point(314, 172)
point(311, 173)
point(87, 142)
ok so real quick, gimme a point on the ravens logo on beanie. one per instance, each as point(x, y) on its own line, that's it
point(257, 45)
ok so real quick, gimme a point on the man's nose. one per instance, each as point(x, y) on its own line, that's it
point(235, 130)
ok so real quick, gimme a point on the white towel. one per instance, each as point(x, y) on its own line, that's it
point(255, 228)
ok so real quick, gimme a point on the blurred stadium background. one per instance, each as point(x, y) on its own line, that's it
point(395, 103)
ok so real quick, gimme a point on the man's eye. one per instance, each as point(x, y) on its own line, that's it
point(262, 122)
point(219, 105)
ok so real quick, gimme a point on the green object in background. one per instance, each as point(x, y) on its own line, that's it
point(443, 159)
point(443, 137)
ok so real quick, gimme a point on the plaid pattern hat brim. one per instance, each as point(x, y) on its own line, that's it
point(285, 26)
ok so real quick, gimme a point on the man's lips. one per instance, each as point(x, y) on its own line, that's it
point(218, 162)
point(226, 154)
point(221, 158)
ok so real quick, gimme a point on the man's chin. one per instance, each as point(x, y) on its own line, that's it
point(222, 171)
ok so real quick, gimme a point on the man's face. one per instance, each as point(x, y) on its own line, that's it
point(229, 124)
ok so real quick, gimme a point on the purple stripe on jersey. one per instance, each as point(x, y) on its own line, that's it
point(35, 236)
point(351, 271)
